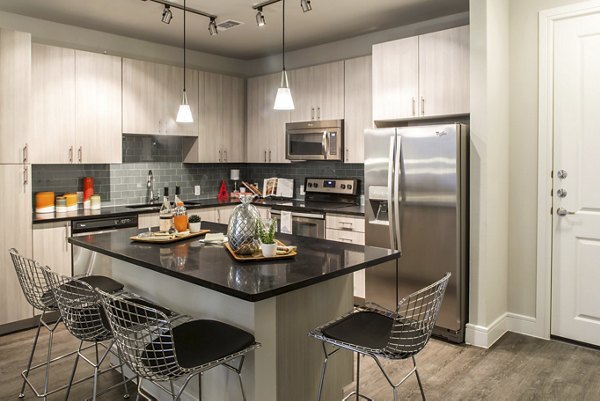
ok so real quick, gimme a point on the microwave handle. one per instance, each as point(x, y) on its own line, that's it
point(324, 142)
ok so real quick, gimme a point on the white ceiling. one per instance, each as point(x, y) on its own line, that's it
point(329, 20)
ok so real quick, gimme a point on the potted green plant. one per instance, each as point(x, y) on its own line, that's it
point(266, 234)
point(195, 222)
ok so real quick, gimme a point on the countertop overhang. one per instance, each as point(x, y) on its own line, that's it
point(211, 266)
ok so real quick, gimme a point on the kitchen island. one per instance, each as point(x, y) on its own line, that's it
point(278, 301)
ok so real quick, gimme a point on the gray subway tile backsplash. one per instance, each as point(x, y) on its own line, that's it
point(120, 184)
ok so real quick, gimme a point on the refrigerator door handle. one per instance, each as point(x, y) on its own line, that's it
point(390, 198)
point(397, 174)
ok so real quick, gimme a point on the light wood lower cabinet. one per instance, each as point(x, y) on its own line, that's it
point(15, 98)
point(351, 230)
point(15, 215)
point(224, 214)
point(149, 220)
point(51, 246)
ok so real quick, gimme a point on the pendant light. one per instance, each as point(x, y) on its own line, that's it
point(184, 115)
point(283, 100)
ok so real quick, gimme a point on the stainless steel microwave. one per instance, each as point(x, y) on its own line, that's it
point(315, 140)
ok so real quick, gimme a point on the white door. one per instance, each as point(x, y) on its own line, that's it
point(576, 248)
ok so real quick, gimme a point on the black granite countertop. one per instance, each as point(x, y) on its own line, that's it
point(211, 266)
point(117, 211)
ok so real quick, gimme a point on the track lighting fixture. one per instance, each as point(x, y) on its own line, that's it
point(167, 15)
point(283, 98)
point(212, 27)
point(260, 17)
point(305, 4)
point(184, 115)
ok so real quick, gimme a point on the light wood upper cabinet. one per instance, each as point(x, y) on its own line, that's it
point(358, 107)
point(444, 72)
point(318, 92)
point(152, 94)
point(422, 76)
point(222, 121)
point(266, 126)
point(15, 96)
point(396, 79)
point(53, 95)
point(98, 108)
point(15, 214)
point(76, 106)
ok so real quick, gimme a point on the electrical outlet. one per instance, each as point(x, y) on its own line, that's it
point(302, 190)
point(196, 190)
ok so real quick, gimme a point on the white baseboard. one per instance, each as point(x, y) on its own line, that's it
point(485, 337)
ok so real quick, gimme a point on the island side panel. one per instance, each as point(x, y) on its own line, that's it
point(300, 357)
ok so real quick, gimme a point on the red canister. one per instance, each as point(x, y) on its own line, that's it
point(88, 188)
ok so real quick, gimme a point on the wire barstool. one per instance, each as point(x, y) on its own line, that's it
point(84, 318)
point(162, 349)
point(374, 331)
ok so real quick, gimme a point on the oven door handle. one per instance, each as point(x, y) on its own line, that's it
point(81, 234)
point(301, 215)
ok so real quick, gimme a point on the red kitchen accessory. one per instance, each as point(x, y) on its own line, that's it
point(223, 193)
point(88, 188)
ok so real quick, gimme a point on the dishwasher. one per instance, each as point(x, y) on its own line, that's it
point(85, 261)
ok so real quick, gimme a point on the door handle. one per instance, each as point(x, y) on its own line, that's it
point(347, 154)
point(397, 192)
point(312, 113)
point(220, 156)
point(561, 211)
point(80, 154)
point(318, 113)
point(414, 107)
point(25, 153)
point(390, 185)
point(225, 157)
point(71, 154)
point(422, 106)
point(265, 155)
point(67, 237)
point(324, 144)
point(270, 160)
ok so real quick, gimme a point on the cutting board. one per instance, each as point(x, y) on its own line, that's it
point(167, 239)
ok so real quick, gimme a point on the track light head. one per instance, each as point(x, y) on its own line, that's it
point(305, 4)
point(260, 17)
point(167, 15)
point(212, 27)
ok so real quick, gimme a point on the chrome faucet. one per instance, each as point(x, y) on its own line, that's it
point(150, 197)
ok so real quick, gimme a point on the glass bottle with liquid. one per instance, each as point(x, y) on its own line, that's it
point(165, 215)
point(180, 218)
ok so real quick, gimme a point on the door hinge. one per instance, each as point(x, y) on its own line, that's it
point(551, 211)
point(551, 173)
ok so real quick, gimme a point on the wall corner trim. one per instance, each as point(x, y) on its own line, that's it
point(485, 337)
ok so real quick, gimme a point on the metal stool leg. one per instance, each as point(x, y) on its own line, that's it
point(322, 372)
point(418, 378)
point(48, 359)
point(35, 340)
point(70, 384)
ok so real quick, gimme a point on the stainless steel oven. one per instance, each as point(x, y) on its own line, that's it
point(310, 224)
point(315, 140)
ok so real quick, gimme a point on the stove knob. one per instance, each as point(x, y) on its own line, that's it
point(343, 186)
point(349, 186)
point(309, 185)
point(316, 185)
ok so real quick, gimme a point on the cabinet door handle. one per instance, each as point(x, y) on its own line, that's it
point(346, 223)
point(346, 240)
point(318, 113)
point(25, 153)
point(347, 154)
point(265, 156)
point(414, 107)
point(71, 154)
point(225, 152)
point(80, 154)
point(422, 106)
point(269, 155)
point(25, 175)
point(312, 113)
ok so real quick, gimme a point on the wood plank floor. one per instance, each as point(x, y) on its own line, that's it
point(516, 368)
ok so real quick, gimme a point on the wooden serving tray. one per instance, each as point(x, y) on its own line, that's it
point(167, 239)
point(257, 256)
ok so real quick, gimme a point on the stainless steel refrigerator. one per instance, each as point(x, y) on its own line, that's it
point(416, 190)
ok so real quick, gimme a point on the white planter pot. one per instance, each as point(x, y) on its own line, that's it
point(195, 227)
point(268, 250)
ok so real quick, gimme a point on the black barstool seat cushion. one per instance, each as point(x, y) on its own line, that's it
point(198, 342)
point(104, 283)
point(365, 329)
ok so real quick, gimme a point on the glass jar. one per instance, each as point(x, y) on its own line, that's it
point(241, 232)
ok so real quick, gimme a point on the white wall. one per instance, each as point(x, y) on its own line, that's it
point(489, 166)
